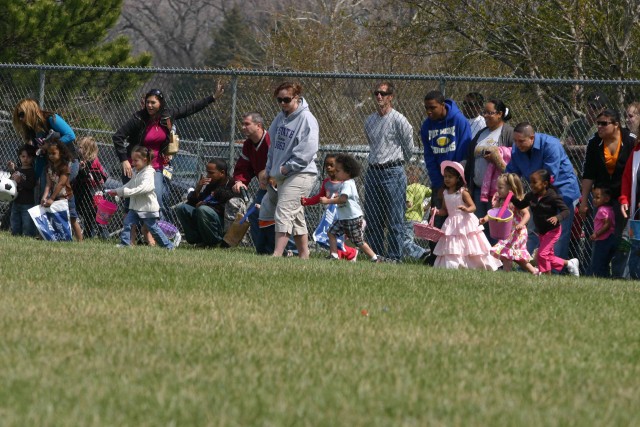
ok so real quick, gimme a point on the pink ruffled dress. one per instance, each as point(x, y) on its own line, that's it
point(513, 247)
point(463, 244)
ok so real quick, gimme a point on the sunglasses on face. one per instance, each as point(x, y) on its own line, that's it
point(21, 115)
point(489, 113)
point(381, 93)
point(285, 100)
point(603, 123)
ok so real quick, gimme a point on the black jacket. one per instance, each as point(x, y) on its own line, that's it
point(595, 169)
point(220, 194)
point(551, 204)
point(133, 130)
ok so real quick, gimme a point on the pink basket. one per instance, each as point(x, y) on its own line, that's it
point(105, 211)
point(427, 231)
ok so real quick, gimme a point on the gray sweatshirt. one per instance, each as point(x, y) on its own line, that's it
point(294, 143)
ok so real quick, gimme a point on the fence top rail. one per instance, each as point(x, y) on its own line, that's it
point(309, 74)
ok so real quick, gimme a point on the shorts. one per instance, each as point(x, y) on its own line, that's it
point(289, 214)
point(351, 228)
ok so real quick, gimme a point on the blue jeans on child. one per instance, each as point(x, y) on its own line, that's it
point(410, 247)
point(601, 256)
point(21, 222)
point(132, 218)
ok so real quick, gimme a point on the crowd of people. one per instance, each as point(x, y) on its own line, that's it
point(474, 159)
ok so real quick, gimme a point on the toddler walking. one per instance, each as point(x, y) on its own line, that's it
point(513, 248)
point(604, 241)
point(331, 186)
point(418, 198)
point(463, 244)
point(548, 209)
point(89, 182)
point(350, 218)
point(143, 204)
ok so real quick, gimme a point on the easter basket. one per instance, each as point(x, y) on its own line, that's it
point(427, 231)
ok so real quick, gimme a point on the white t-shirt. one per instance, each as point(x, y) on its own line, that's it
point(486, 138)
point(351, 209)
point(476, 124)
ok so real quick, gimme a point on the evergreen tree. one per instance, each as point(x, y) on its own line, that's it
point(67, 32)
point(234, 45)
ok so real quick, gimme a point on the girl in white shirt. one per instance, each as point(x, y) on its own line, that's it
point(143, 205)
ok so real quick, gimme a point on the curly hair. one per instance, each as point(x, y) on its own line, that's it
point(349, 165)
point(65, 155)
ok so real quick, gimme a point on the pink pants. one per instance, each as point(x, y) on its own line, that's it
point(547, 259)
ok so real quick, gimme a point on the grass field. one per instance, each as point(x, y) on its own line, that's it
point(95, 335)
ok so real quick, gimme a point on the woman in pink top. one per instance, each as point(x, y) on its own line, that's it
point(150, 128)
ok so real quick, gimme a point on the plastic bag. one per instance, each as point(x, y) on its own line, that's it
point(53, 222)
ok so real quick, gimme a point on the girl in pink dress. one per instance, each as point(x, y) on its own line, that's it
point(513, 248)
point(463, 244)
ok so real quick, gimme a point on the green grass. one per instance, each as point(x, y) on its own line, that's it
point(95, 335)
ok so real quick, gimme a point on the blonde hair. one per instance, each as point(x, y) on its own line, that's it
point(514, 183)
point(35, 119)
point(88, 148)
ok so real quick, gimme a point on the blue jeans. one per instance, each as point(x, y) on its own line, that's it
point(410, 247)
point(21, 222)
point(601, 256)
point(132, 218)
point(160, 190)
point(561, 248)
point(385, 192)
point(634, 260)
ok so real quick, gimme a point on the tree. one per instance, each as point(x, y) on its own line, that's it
point(63, 32)
point(234, 44)
point(67, 32)
point(176, 32)
point(531, 38)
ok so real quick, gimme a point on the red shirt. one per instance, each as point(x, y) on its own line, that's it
point(252, 160)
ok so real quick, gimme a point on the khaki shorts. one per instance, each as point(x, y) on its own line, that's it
point(289, 215)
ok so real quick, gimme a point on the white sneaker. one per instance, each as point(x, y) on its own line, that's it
point(177, 239)
point(572, 267)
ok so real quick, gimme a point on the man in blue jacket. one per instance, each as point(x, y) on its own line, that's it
point(533, 151)
point(445, 134)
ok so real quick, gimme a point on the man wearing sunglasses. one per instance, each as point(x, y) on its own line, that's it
point(390, 138)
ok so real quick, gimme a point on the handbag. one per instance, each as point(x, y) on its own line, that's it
point(174, 140)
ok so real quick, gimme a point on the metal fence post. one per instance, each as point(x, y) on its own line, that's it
point(41, 88)
point(443, 86)
point(232, 119)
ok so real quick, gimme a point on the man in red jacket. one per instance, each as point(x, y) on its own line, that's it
point(253, 159)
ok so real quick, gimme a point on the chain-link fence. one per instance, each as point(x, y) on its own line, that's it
point(95, 101)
